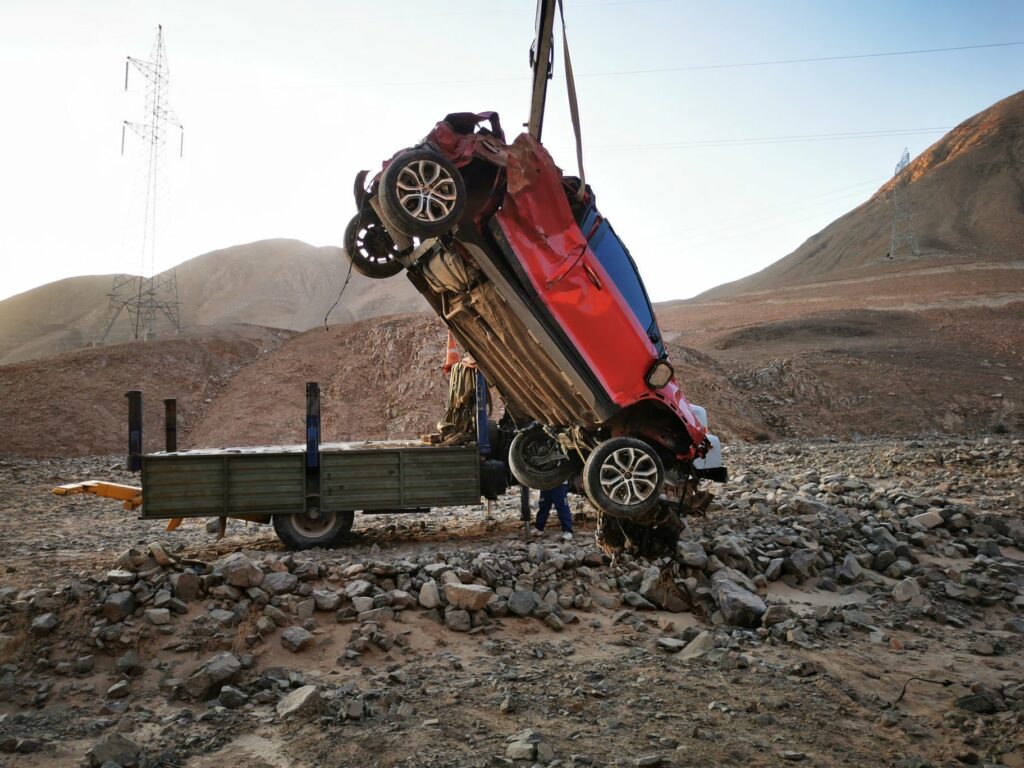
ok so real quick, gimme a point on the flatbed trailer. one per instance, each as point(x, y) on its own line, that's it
point(311, 492)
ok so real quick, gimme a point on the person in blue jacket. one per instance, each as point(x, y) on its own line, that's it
point(559, 497)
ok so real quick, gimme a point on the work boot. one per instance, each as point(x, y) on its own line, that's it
point(536, 533)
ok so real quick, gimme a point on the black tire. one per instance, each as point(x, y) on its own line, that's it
point(372, 250)
point(301, 532)
point(529, 458)
point(624, 477)
point(422, 194)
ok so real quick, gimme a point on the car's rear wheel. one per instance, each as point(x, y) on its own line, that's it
point(320, 529)
point(623, 477)
point(372, 250)
point(537, 461)
point(422, 194)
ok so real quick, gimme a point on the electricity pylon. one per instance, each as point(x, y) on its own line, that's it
point(903, 244)
point(146, 295)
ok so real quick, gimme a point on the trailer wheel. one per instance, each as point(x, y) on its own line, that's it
point(623, 478)
point(536, 460)
point(305, 532)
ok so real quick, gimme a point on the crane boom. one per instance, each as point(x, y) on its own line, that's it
point(542, 55)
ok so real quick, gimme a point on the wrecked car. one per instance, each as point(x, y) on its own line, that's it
point(517, 260)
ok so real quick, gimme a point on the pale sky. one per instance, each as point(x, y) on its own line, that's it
point(707, 174)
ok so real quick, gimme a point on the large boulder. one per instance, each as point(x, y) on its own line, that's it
point(215, 672)
point(739, 607)
point(279, 583)
point(301, 701)
point(118, 606)
point(240, 571)
point(468, 597)
point(117, 749)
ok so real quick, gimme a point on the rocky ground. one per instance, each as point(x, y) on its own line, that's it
point(852, 604)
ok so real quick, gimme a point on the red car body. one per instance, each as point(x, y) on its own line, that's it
point(531, 207)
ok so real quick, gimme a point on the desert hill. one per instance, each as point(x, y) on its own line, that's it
point(275, 283)
point(833, 340)
point(967, 198)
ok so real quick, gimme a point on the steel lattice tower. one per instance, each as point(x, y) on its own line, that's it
point(903, 244)
point(147, 295)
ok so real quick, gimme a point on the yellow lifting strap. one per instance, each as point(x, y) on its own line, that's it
point(131, 495)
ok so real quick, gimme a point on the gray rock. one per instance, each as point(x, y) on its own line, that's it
point(671, 644)
point(232, 697)
point(429, 597)
point(801, 563)
point(850, 570)
point(692, 554)
point(185, 585)
point(927, 520)
point(522, 603)
point(296, 639)
point(326, 600)
point(659, 588)
point(457, 620)
point(355, 709)
point(362, 604)
point(358, 588)
point(279, 583)
point(468, 597)
point(301, 701)
point(377, 615)
point(121, 577)
point(115, 748)
point(130, 664)
point(240, 571)
point(214, 672)
point(906, 590)
point(118, 606)
point(44, 624)
point(119, 690)
point(774, 569)
point(521, 750)
point(739, 607)
point(275, 614)
point(700, 645)
point(158, 616)
point(776, 614)
point(636, 600)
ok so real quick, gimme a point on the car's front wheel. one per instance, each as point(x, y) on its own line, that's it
point(319, 529)
point(422, 194)
point(371, 248)
point(537, 461)
point(623, 477)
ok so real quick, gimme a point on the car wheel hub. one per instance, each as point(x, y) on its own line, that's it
point(426, 191)
point(629, 476)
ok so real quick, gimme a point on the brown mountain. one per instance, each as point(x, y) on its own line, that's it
point(967, 197)
point(275, 283)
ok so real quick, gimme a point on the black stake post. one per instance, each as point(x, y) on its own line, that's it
point(134, 430)
point(524, 509)
point(170, 425)
point(312, 425)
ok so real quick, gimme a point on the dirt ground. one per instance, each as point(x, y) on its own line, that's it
point(600, 691)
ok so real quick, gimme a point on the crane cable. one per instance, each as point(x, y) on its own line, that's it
point(574, 107)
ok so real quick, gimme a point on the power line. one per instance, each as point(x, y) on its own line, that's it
point(806, 60)
point(622, 72)
point(794, 138)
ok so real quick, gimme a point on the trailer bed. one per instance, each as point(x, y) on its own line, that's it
point(273, 480)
